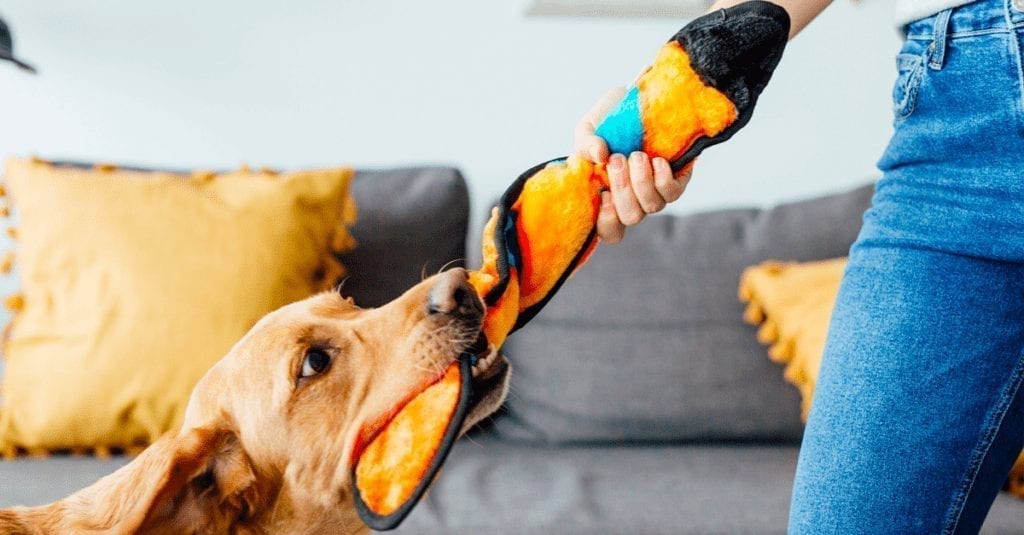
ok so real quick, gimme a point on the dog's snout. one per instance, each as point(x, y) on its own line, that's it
point(453, 295)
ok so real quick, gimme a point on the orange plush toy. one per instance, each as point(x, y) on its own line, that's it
point(700, 90)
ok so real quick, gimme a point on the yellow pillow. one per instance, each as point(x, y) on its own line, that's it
point(793, 304)
point(134, 283)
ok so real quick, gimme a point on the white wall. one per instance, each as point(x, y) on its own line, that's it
point(472, 83)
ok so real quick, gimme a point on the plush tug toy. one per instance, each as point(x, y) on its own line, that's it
point(701, 89)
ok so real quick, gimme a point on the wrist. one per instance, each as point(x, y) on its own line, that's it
point(801, 12)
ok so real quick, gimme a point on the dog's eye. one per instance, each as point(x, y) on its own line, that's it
point(316, 362)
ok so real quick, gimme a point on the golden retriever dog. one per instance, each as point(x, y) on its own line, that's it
point(268, 437)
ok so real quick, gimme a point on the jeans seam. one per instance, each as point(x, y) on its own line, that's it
point(912, 86)
point(937, 50)
point(994, 423)
point(966, 33)
point(1015, 44)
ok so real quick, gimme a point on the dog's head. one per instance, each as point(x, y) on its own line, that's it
point(281, 418)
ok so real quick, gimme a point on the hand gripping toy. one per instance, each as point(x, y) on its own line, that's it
point(700, 90)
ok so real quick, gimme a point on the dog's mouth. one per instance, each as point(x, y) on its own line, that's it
point(405, 450)
point(491, 372)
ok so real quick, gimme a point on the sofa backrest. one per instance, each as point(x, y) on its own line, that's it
point(647, 341)
point(411, 223)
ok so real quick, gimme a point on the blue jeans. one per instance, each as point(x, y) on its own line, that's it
point(918, 414)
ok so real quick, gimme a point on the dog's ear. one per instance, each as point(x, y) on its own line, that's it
point(11, 522)
point(199, 480)
point(208, 472)
point(234, 477)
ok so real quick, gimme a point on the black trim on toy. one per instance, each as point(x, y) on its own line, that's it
point(504, 206)
point(451, 434)
point(735, 51)
point(526, 315)
point(505, 241)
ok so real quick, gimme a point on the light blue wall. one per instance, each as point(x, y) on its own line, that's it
point(475, 84)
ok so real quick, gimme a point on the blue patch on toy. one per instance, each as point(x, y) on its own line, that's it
point(511, 241)
point(622, 129)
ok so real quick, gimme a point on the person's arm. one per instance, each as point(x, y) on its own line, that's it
point(640, 185)
point(801, 12)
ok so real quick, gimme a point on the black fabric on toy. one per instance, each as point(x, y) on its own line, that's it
point(700, 90)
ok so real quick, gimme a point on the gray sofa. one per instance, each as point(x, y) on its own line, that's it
point(640, 403)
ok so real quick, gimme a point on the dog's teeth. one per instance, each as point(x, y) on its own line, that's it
point(483, 363)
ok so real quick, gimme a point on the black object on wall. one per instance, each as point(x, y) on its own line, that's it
point(7, 49)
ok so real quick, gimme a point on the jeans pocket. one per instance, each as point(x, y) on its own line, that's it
point(909, 75)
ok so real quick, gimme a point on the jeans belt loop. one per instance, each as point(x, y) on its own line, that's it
point(941, 33)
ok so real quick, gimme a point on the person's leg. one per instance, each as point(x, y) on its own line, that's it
point(918, 414)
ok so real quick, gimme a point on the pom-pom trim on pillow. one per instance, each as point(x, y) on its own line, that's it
point(772, 291)
point(331, 270)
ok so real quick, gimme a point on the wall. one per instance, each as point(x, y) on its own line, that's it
point(469, 83)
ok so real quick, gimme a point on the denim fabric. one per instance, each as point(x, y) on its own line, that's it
point(918, 413)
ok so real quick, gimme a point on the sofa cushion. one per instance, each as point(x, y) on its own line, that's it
point(31, 481)
point(495, 488)
point(135, 283)
point(411, 222)
point(647, 342)
point(792, 303)
point(500, 488)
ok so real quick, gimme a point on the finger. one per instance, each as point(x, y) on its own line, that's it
point(604, 105)
point(636, 81)
point(684, 174)
point(687, 170)
point(592, 147)
point(609, 228)
point(641, 176)
point(626, 205)
point(669, 187)
point(585, 142)
point(684, 177)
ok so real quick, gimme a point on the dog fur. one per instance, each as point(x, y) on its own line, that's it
point(263, 449)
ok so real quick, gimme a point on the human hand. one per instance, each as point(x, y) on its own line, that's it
point(640, 185)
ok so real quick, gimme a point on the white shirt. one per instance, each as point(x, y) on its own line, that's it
point(908, 11)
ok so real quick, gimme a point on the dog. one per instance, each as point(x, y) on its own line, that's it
point(268, 437)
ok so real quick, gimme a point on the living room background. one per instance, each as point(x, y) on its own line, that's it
point(475, 84)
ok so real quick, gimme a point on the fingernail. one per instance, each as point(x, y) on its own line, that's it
point(637, 157)
point(616, 162)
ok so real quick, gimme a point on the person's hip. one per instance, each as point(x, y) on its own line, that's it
point(954, 170)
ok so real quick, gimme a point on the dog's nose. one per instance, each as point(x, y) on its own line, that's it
point(453, 295)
